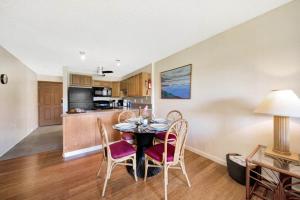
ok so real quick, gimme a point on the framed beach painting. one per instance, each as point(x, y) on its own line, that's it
point(176, 83)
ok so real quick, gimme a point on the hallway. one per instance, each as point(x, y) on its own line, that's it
point(43, 139)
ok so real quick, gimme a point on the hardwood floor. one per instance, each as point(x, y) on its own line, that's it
point(48, 176)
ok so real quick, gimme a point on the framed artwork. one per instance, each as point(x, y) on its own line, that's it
point(176, 83)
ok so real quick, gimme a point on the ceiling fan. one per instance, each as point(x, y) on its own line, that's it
point(101, 72)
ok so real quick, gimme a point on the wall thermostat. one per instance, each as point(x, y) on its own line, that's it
point(4, 78)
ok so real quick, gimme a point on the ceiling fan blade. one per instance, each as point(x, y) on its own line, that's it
point(107, 71)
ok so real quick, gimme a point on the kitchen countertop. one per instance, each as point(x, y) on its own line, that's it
point(88, 112)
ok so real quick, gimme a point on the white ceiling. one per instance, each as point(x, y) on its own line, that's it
point(47, 35)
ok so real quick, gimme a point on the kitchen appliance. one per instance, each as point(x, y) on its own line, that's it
point(103, 104)
point(101, 92)
point(81, 98)
point(120, 102)
point(125, 103)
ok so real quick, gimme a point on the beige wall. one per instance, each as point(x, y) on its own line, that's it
point(147, 68)
point(232, 72)
point(18, 101)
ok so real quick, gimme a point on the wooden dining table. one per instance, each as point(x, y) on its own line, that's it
point(144, 136)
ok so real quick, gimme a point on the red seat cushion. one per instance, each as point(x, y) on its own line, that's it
point(127, 136)
point(156, 152)
point(162, 136)
point(121, 149)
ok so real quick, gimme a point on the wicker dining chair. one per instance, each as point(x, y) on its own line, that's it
point(169, 156)
point(172, 116)
point(123, 117)
point(116, 153)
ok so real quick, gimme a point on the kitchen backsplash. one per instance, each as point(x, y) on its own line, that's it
point(139, 100)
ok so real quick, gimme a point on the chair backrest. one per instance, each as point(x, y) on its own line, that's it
point(174, 115)
point(104, 137)
point(125, 115)
point(180, 129)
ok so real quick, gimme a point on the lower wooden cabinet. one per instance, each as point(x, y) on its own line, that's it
point(81, 131)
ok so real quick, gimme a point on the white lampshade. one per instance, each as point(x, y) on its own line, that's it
point(280, 103)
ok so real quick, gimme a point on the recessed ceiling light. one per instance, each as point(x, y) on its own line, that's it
point(82, 55)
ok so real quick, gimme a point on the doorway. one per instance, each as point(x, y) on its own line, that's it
point(50, 103)
point(48, 137)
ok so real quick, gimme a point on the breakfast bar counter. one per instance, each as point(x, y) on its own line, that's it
point(80, 130)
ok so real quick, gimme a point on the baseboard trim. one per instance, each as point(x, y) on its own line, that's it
point(206, 155)
point(81, 151)
point(22, 138)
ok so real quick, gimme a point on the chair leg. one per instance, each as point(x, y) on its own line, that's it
point(108, 172)
point(166, 181)
point(134, 167)
point(146, 168)
point(100, 168)
point(184, 172)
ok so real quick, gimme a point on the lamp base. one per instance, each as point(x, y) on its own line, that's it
point(294, 157)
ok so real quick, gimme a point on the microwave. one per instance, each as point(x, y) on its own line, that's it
point(102, 92)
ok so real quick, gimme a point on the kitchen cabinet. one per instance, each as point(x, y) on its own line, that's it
point(97, 83)
point(130, 86)
point(115, 89)
point(144, 79)
point(80, 80)
point(123, 85)
point(137, 86)
point(86, 80)
point(134, 86)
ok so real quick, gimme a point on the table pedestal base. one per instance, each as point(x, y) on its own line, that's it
point(140, 169)
point(143, 141)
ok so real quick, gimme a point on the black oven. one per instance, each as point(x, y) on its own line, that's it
point(101, 92)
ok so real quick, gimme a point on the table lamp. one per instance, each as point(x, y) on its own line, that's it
point(282, 104)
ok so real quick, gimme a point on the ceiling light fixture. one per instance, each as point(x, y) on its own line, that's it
point(118, 62)
point(82, 55)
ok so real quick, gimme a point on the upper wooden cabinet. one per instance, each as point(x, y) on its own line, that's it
point(115, 89)
point(97, 83)
point(80, 80)
point(123, 84)
point(86, 81)
point(144, 79)
point(137, 85)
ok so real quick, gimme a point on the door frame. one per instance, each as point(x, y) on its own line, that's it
point(38, 97)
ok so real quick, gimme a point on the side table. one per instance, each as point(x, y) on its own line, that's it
point(277, 180)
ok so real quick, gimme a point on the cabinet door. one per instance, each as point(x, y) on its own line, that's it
point(123, 85)
point(96, 83)
point(75, 79)
point(143, 90)
point(86, 81)
point(115, 89)
point(137, 85)
point(131, 87)
point(107, 84)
